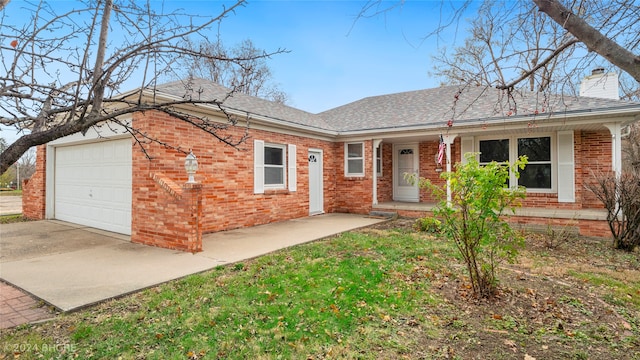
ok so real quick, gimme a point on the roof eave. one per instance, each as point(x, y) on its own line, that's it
point(255, 118)
point(573, 119)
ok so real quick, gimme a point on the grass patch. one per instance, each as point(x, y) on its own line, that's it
point(338, 296)
point(10, 192)
point(618, 291)
point(376, 293)
point(8, 219)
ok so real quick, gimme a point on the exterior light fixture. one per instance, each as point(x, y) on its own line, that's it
point(191, 166)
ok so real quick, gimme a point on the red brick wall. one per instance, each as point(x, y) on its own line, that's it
point(428, 167)
point(385, 181)
point(595, 156)
point(592, 152)
point(595, 228)
point(354, 194)
point(226, 174)
point(34, 189)
point(167, 215)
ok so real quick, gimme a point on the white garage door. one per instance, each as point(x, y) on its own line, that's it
point(93, 185)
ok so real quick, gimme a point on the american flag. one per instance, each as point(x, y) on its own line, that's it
point(441, 149)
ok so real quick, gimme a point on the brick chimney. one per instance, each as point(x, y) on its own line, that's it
point(600, 85)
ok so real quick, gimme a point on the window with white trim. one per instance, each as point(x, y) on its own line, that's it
point(354, 159)
point(270, 169)
point(274, 165)
point(538, 174)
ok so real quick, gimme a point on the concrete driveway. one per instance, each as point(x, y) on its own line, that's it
point(71, 266)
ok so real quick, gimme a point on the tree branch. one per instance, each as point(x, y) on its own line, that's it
point(592, 38)
point(541, 64)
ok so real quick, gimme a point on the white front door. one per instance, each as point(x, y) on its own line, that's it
point(316, 198)
point(405, 160)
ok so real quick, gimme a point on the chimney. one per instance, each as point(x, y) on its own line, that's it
point(600, 85)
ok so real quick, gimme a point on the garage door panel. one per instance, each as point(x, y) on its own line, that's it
point(93, 185)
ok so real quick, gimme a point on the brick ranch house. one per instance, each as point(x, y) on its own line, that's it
point(348, 159)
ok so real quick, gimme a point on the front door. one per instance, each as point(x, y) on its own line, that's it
point(405, 161)
point(316, 198)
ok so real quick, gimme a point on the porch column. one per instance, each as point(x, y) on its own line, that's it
point(616, 147)
point(376, 145)
point(448, 140)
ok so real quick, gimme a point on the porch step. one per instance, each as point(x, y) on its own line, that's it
point(384, 214)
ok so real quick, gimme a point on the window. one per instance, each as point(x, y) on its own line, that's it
point(270, 169)
point(379, 160)
point(494, 150)
point(274, 165)
point(354, 159)
point(538, 174)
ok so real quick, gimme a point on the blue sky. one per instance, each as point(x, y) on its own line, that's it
point(333, 58)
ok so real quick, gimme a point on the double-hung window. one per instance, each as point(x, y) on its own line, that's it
point(354, 159)
point(538, 175)
point(274, 167)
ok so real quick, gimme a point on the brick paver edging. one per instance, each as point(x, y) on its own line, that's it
point(18, 307)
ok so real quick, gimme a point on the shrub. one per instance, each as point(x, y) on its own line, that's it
point(621, 197)
point(474, 217)
point(428, 224)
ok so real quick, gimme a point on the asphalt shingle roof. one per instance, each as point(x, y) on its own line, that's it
point(430, 107)
point(208, 90)
point(460, 104)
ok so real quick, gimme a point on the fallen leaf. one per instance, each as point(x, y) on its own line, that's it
point(528, 357)
point(511, 344)
point(531, 292)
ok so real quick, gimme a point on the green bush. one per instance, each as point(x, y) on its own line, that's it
point(428, 224)
point(473, 218)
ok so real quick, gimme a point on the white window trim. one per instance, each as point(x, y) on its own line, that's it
point(513, 156)
point(347, 158)
point(283, 167)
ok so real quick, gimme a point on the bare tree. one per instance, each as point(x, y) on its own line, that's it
point(249, 74)
point(27, 164)
point(535, 44)
point(496, 52)
point(612, 19)
point(621, 198)
point(631, 150)
point(66, 70)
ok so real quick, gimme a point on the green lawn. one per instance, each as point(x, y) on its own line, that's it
point(373, 294)
point(9, 192)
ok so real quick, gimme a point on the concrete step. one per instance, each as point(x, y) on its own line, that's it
point(384, 214)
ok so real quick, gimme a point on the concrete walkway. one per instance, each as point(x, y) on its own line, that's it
point(71, 267)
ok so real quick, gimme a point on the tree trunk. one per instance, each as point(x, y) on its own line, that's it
point(592, 38)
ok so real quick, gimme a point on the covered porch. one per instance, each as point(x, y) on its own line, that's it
point(590, 222)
